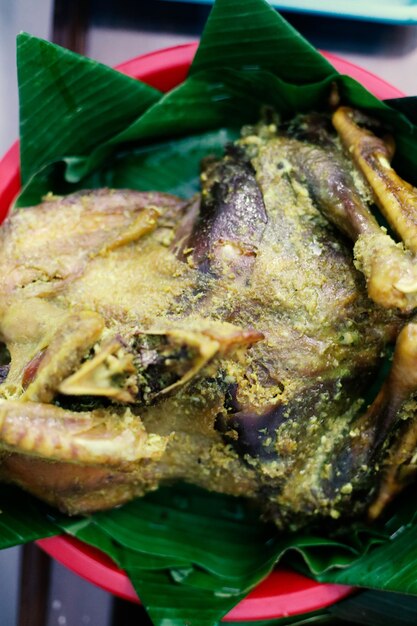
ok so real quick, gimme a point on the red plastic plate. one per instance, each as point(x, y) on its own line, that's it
point(284, 592)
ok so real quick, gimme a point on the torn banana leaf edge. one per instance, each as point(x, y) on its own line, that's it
point(84, 125)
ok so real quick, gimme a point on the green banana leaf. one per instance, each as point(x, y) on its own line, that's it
point(73, 101)
point(193, 555)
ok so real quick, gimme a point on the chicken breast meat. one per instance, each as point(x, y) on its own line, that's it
point(229, 341)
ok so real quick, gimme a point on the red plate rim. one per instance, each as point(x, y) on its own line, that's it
point(164, 69)
point(284, 592)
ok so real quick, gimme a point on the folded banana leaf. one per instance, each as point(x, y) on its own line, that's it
point(193, 555)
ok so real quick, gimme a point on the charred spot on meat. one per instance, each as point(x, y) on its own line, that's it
point(228, 341)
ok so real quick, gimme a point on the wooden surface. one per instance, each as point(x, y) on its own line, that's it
point(70, 24)
point(34, 586)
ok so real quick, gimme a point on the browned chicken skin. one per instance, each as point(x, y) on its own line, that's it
point(228, 344)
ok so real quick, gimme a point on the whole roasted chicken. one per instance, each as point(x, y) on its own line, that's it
point(230, 341)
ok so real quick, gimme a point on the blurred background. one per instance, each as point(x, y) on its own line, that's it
point(113, 31)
